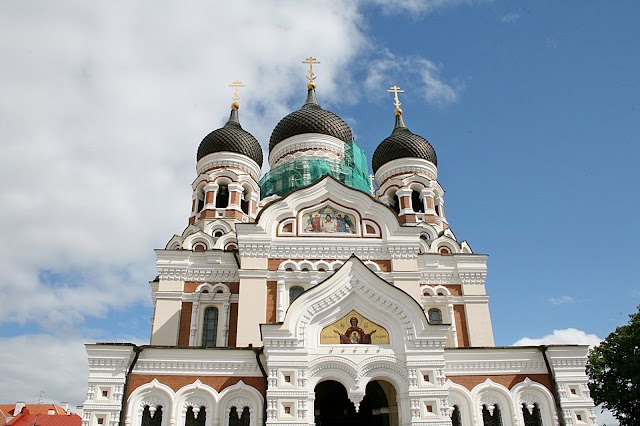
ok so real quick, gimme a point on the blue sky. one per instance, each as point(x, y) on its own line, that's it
point(532, 108)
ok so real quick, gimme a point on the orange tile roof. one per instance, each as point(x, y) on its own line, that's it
point(25, 418)
point(7, 409)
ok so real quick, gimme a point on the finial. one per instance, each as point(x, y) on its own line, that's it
point(311, 61)
point(235, 105)
point(395, 90)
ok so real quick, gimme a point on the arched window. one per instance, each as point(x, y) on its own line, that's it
point(416, 202)
point(210, 327)
point(222, 198)
point(245, 419)
point(152, 416)
point(437, 206)
point(435, 316)
point(236, 419)
point(294, 293)
point(491, 417)
point(195, 419)
point(245, 198)
point(396, 203)
point(456, 417)
point(200, 196)
point(531, 415)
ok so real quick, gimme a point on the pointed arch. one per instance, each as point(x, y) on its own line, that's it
point(152, 394)
point(195, 395)
point(240, 396)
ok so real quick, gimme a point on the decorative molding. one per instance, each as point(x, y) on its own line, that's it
point(197, 367)
point(453, 277)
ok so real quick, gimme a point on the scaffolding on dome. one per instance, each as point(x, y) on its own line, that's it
point(353, 171)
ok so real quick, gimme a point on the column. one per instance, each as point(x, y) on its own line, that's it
point(280, 301)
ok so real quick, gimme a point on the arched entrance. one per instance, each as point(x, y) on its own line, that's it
point(333, 407)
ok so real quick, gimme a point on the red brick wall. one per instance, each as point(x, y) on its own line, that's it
point(219, 383)
point(233, 325)
point(185, 324)
point(272, 296)
point(506, 380)
point(460, 318)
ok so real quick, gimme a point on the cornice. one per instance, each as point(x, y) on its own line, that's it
point(200, 367)
point(474, 367)
point(453, 277)
point(200, 274)
point(320, 250)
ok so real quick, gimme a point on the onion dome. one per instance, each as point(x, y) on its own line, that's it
point(311, 118)
point(402, 143)
point(231, 138)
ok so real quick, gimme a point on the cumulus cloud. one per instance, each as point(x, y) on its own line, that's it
point(409, 71)
point(563, 300)
point(103, 106)
point(569, 336)
point(102, 110)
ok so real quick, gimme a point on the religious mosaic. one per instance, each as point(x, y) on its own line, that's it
point(352, 329)
point(328, 220)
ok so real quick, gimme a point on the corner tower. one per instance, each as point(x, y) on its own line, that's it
point(406, 173)
point(229, 164)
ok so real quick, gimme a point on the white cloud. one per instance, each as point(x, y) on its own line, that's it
point(103, 106)
point(510, 17)
point(405, 71)
point(561, 300)
point(569, 336)
point(605, 417)
point(417, 7)
point(33, 363)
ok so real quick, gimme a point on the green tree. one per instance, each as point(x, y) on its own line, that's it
point(614, 372)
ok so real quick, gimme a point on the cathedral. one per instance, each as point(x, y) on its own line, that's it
point(317, 294)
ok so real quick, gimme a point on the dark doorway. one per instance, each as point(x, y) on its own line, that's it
point(333, 407)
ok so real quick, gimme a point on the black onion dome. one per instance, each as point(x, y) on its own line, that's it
point(311, 118)
point(231, 138)
point(402, 144)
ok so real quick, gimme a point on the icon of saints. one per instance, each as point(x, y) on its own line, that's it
point(354, 334)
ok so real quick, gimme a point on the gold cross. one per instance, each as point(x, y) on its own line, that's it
point(311, 61)
point(395, 90)
point(236, 84)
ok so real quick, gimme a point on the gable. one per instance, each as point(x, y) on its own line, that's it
point(354, 290)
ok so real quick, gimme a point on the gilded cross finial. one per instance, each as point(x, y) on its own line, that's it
point(395, 90)
point(236, 97)
point(311, 61)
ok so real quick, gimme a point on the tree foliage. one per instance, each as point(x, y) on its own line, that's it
point(614, 372)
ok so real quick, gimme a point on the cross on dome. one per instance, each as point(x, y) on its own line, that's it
point(311, 61)
point(236, 96)
point(395, 90)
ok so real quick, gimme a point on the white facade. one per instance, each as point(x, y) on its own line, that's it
point(230, 345)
